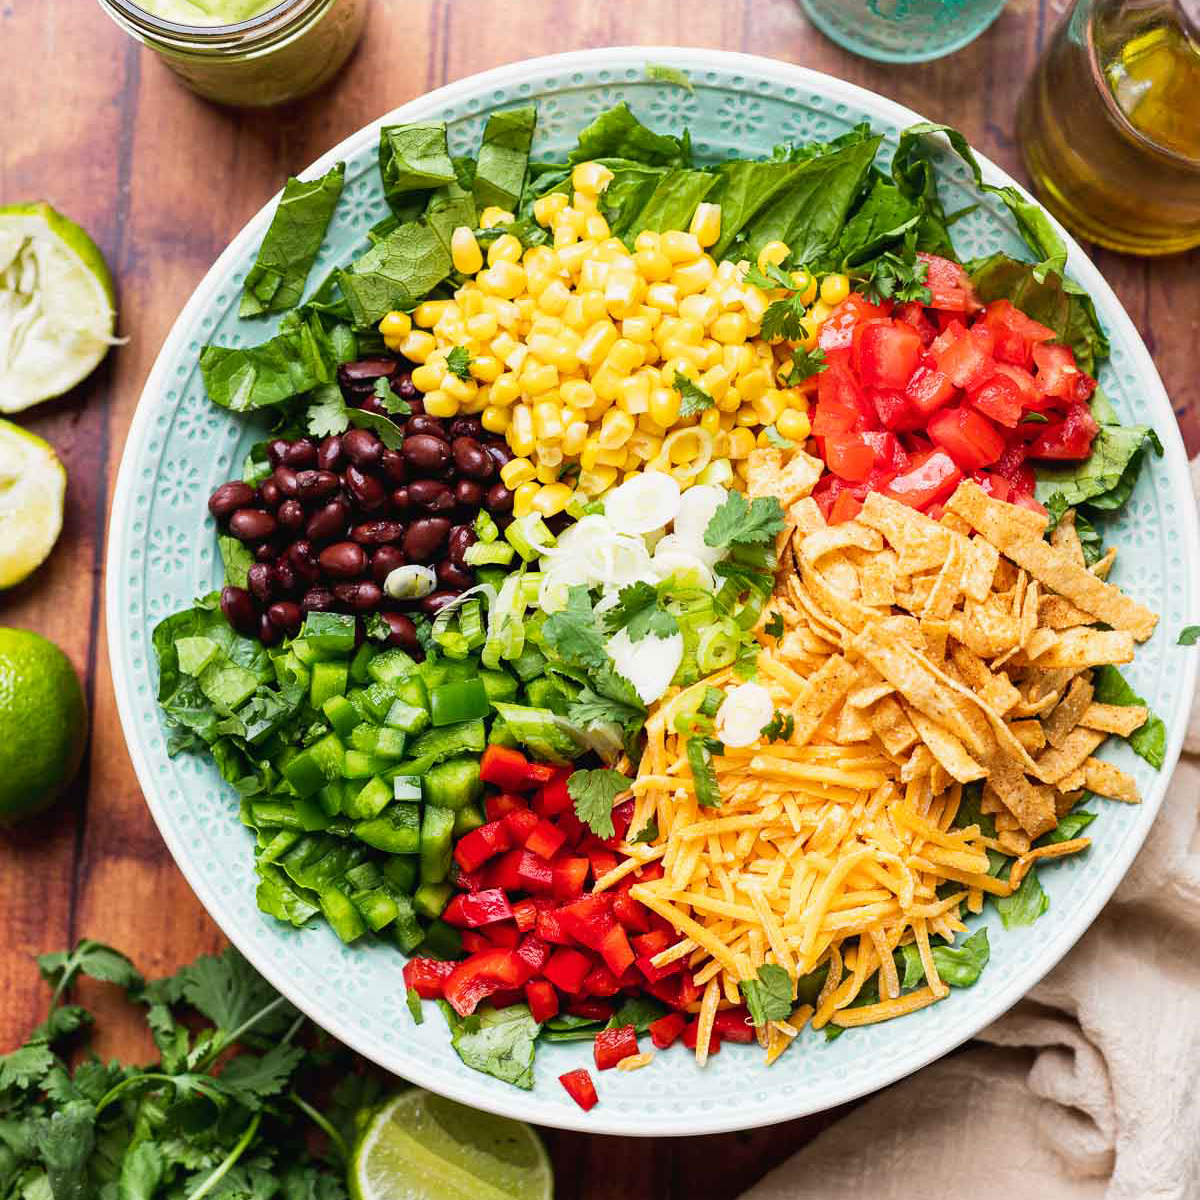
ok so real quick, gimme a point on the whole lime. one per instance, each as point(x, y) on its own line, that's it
point(43, 724)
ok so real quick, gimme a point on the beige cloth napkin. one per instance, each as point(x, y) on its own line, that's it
point(1089, 1089)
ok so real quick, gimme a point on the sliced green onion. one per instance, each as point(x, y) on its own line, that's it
point(486, 530)
point(717, 647)
point(704, 775)
point(713, 699)
point(506, 630)
point(483, 554)
point(530, 536)
point(470, 623)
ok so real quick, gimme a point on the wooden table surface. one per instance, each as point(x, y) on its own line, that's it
point(163, 180)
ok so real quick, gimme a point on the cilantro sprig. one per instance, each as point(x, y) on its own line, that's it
point(779, 728)
point(458, 362)
point(695, 398)
point(805, 364)
point(639, 613)
point(593, 793)
point(739, 522)
point(899, 277)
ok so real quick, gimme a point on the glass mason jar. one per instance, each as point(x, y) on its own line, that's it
point(278, 55)
point(1109, 124)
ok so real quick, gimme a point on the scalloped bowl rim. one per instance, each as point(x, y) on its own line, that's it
point(1068, 928)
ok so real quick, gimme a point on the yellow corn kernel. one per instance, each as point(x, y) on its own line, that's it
point(496, 420)
point(592, 304)
point(741, 442)
point(596, 480)
point(615, 430)
point(772, 254)
point(710, 420)
point(520, 432)
point(593, 273)
point(607, 385)
point(546, 209)
point(664, 406)
point(834, 289)
point(429, 313)
point(752, 384)
point(566, 235)
point(613, 458)
point(633, 394)
point(552, 499)
point(793, 424)
point(689, 332)
point(706, 224)
point(514, 360)
point(596, 227)
point(731, 401)
point(731, 329)
point(494, 215)
point(470, 301)
point(464, 251)
point(591, 178)
point(505, 389)
point(663, 296)
point(745, 416)
point(623, 356)
point(396, 325)
point(820, 312)
point(742, 470)
point(549, 457)
point(547, 421)
point(538, 378)
point(754, 304)
point(680, 247)
point(645, 445)
point(768, 406)
point(476, 404)
point(653, 265)
point(806, 286)
point(637, 329)
point(575, 435)
point(516, 472)
point(700, 308)
point(427, 377)
point(623, 294)
point(589, 455)
point(505, 248)
point(715, 381)
point(440, 404)
point(482, 328)
point(460, 389)
point(523, 496)
point(694, 276)
point(505, 279)
point(597, 342)
point(554, 297)
point(418, 346)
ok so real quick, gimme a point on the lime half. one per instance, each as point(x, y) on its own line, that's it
point(32, 485)
point(56, 305)
point(423, 1147)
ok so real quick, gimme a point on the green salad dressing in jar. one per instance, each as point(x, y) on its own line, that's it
point(247, 53)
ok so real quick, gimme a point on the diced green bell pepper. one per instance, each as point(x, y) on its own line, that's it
point(369, 801)
point(397, 830)
point(376, 907)
point(390, 743)
point(467, 738)
point(358, 764)
point(400, 870)
point(408, 718)
point(430, 899)
point(317, 765)
point(391, 665)
point(462, 700)
point(364, 877)
point(437, 830)
point(341, 714)
point(469, 817)
point(453, 783)
point(499, 685)
point(407, 788)
point(441, 941)
point(358, 664)
point(341, 914)
point(330, 632)
point(330, 798)
point(328, 679)
point(378, 698)
point(406, 929)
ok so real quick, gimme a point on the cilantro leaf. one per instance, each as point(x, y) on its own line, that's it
point(637, 611)
point(777, 439)
point(252, 1078)
point(593, 793)
point(774, 626)
point(1189, 635)
point(573, 635)
point(234, 996)
point(898, 277)
point(393, 403)
point(739, 522)
point(769, 996)
point(805, 364)
point(328, 414)
point(647, 833)
point(90, 958)
point(768, 278)
point(1035, 418)
point(695, 399)
point(779, 728)
point(783, 319)
point(498, 1043)
point(458, 361)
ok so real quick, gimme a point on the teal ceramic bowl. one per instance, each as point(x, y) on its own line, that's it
point(163, 553)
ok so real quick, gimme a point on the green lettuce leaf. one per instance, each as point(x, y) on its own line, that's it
point(1149, 741)
point(498, 1043)
point(504, 158)
point(1025, 905)
point(413, 158)
point(617, 133)
point(959, 966)
point(395, 273)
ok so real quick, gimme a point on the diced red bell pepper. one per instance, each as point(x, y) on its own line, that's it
point(467, 881)
point(504, 934)
point(1071, 438)
point(477, 908)
point(616, 950)
point(427, 976)
point(501, 804)
point(896, 411)
point(630, 913)
point(967, 436)
point(592, 1010)
point(521, 823)
point(525, 914)
point(549, 928)
point(588, 919)
point(837, 330)
point(569, 876)
point(534, 953)
point(733, 1024)
point(691, 1034)
point(476, 847)
point(602, 861)
point(480, 975)
point(1000, 399)
point(848, 456)
point(520, 871)
point(657, 974)
point(580, 1088)
point(886, 353)
point(542, 1000)
point(950, 287)
point(600, 981)
point(545, 840)
point(567, 969)
point(552, 797)
point(622, 814)
point(666, 1030)
point(473, 941)
point(613, 1045)
point(931, 480)
point(511, 771)
point(1059, 375)
point(928, 389)
point(650, 944)
point(573, 827)
point(650, 872)
point(964, 355)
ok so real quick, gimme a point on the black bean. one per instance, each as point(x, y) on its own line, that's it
point(426, 453)
point(328, 522)
point(425, 538)
point(362, 447)
point(468, 493)
point(450, 575)
point(499, 453)
point(404, 632)
point(363, 596)
point(314, 485)
point(266, 552)
point(498, 499)
point(329, 453)
point(384, 561)
point(376, 533)
point(367, 492)
point(343, 560)
point(302, 453)
point(423, 424)
point(239, 610)
point(430, 494)
point(436, 601)
point(470, 427)
point(401, 501)
point(394, 466)
point(291, 516)
point(277, 448)
point(252, 524)
point(286, 480)
point(269, 494)
point(557, 523)
point(258, 580)
point(416, 401)
point(404, 387)
point(461, 537)
point(372, 404)
point(303, 561)
point(318, 599)
point(268, 632)
point(283, 578)
point(229, 497)
point(471, 458)
point(286, 615)
point(366, 370)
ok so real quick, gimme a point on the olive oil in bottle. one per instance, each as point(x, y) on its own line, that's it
point(1110, 124)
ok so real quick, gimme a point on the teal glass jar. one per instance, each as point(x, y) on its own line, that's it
point(902, 30)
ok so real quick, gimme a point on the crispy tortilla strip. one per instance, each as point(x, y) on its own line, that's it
point(1013, 841)
point(1059, 762)
point(1031, 805)
point(1070, 783)
point(1066, 538)
point(996, 691)
point(921, 543)
point(1069, 711)
point(937, 633)
point(1082, 648)
point(950, 753)
point(1029, 734)
point(1057, 613)
point(948, 585)
point(1050, 566)
point(848, 612)
point(982, 559)
point(1105, 779)
point(986, 628)
point(1027, 621)
point(892, 727)
point(1114, 718)
point(877, 582)
point(766, 475)
point(821, 693)
point(840, 537)
point(872, 693)
point(806, 516)
point(1057, 850)
point(955, 524)
point(853, 725)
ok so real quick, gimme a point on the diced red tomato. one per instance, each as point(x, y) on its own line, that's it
point(656, 974)
point(886, 353)
point(964, 355)
point(967, 436)
point(949, 286)
point(846, 507)
point(602, 861)
point(567, 969)
point(1016, 334)
point(837, 330)
point(473, 941)
point(995, 486)
point(1071, 438)
point(691, 1033)
point(542, 1000)
point(580, 1088)
point(476, 847)
point(613, 1045)
point(478, 908)
point(1059, 375)
point(427, 976)
point(1000, 399)
point(650, 944)
point(622, 814)
point(928, 388)
point(468, 881)
point(569, 876)
point(734, 1025)
point(480, 975)
point(666, 1030)
point(896, 411)
point(913, 313)
point(848, 456)
point(1026, 385)
point(930, 480)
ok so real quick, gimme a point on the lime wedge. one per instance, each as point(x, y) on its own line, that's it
point(56, 305)
point(423, 1147)
point(32, 485)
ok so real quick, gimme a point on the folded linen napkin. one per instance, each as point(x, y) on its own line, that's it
point(1089, 1089)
